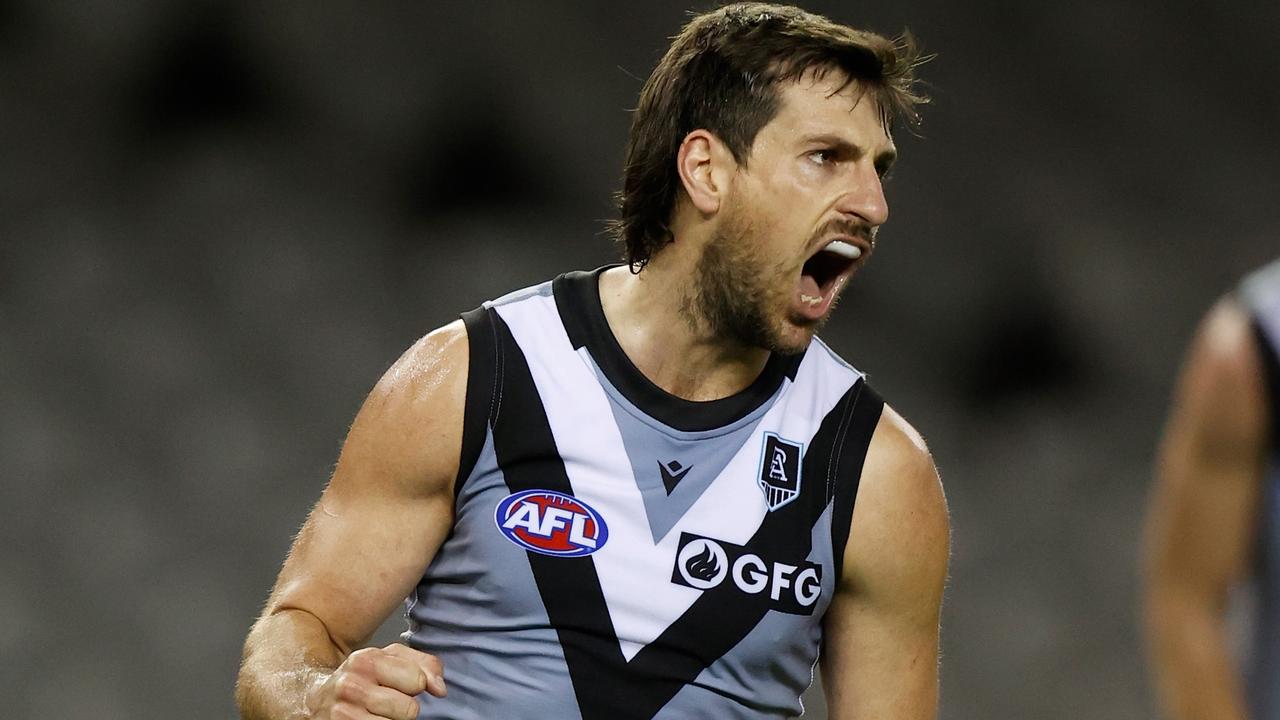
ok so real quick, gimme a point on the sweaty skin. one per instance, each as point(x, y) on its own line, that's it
point(385, 512)
point(813, 175)
point(1202, 520)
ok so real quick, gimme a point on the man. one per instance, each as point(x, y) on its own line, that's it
point(1215, 521)
point(630, 493)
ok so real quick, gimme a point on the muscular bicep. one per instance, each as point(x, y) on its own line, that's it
point(389, 504)
point(880, 651)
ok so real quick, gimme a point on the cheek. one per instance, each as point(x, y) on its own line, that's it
point(771, 219)
point(794, 200)
point(800, 177)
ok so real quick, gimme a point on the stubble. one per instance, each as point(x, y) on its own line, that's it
point(739, 297)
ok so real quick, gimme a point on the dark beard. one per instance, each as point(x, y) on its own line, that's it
point(731, 295)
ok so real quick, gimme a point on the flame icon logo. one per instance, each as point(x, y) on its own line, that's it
point(703, 563)
point(702, 566)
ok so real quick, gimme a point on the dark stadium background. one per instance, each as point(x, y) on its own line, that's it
point(220, 222)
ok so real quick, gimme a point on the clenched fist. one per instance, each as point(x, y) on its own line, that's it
point(377, 683)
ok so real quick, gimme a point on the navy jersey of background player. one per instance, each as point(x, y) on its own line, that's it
point(1260, 294)
point(621, 553)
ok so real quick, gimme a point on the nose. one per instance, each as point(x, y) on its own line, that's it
point(864, 195)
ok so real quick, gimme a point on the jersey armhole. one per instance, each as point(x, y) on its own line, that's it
point(1270, 374)
point(867, 406)
point(482, 379)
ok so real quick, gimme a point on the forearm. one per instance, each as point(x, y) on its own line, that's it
point(1194, 671)
point(286, 655)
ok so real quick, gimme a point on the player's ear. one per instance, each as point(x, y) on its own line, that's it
point(705, 166)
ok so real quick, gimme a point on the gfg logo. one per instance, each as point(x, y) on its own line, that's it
point(551, 523)
point(704, 563)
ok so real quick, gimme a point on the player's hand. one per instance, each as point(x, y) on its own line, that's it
point(377, 683)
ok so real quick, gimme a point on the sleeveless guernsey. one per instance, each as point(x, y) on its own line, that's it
point(619, 553)
point(1260, 293)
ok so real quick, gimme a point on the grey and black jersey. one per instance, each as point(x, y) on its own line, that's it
point(1260, 294)
point(619, 553)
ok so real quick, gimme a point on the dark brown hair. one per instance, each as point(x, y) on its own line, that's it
point(721, 74)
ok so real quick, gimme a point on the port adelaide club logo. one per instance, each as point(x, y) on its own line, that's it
point(779, 471)
point(551, 523)
point(704, 563)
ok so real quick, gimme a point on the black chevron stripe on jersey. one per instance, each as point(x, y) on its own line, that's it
point(606, 686)
point(723, 616)
point(841, 467)
point(569, 586)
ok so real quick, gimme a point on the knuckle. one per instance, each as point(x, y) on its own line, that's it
point(387, 703)
point(344, 712)
point(434, 664)
point(348, 687)
point(362, 661)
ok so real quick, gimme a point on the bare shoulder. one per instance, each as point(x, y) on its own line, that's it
point(899, 476)
point(1222, 384)
point(1224, 350)
point(900, 527)
point(410, 426)
point(898, 450)
point(428, 364)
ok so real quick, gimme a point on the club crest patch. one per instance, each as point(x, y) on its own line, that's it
point(779, 470)
point(551, 523)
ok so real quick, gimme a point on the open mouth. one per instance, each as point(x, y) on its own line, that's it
point(826, 266)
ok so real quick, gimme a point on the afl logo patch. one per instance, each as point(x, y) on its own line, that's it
point(551, 523)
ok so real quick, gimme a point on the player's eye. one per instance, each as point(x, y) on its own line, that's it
point(822, 157)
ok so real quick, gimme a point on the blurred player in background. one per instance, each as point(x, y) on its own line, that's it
point(1214, 524)
point(630, 493)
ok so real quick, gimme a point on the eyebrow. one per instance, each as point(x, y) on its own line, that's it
point(884, 161)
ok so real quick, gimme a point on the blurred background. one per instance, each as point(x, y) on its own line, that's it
point(220, 222)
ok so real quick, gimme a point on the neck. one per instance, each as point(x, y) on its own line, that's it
point(648, 315)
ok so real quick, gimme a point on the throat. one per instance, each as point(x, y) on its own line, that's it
point(703, 376)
